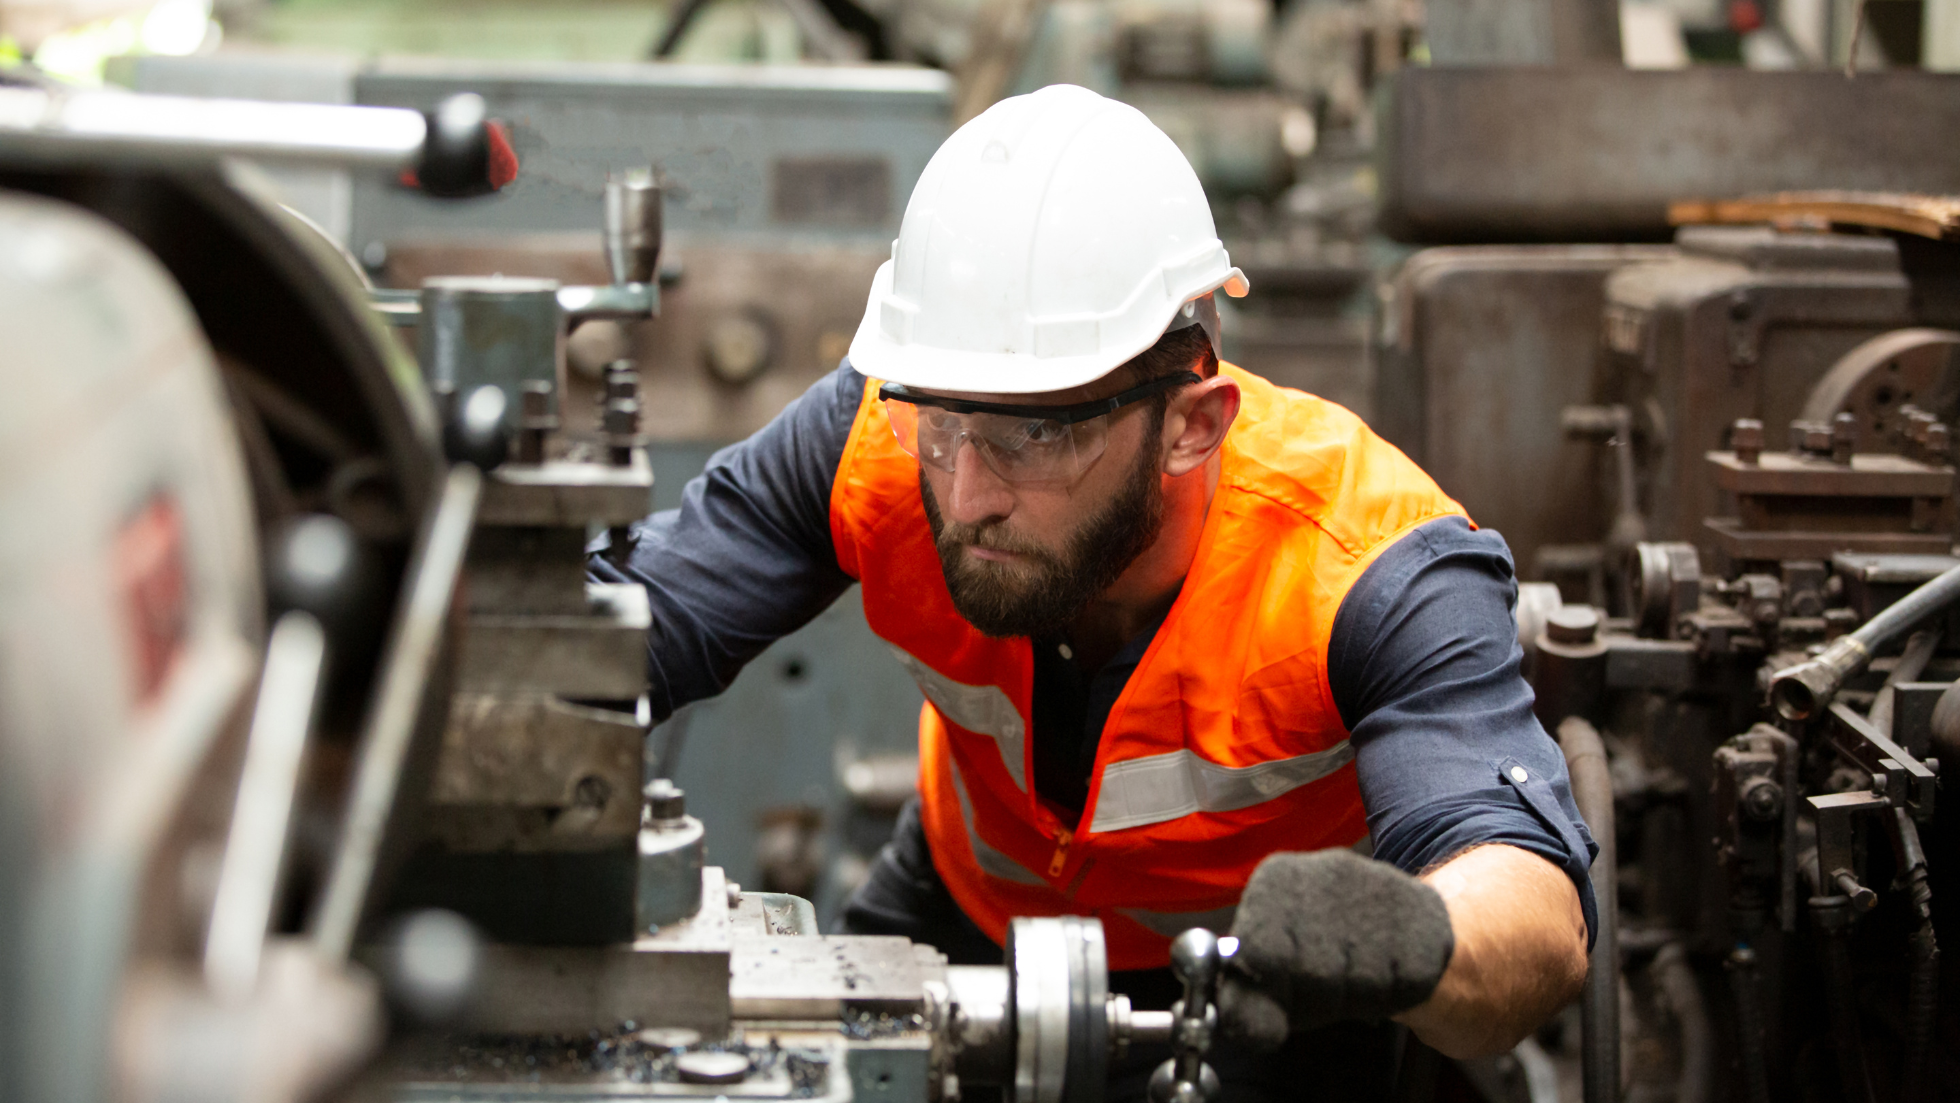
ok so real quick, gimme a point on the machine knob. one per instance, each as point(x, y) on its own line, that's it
point(632, 228)
point(476, 431)
point(319, 566)
point(466, 152)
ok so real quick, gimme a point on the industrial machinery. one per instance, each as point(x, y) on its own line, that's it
point(405, 771)
point(724, 992)
point(1737, 593)
point(783, 187)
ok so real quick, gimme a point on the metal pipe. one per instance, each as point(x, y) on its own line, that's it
point(1683, 992)
point(1801, 691)
point(1592, 791)
point(183, 128)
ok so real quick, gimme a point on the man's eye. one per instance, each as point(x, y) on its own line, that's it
point(939, 421)
point(1041, 434)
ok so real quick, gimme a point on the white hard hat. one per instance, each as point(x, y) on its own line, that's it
point(1051, 238)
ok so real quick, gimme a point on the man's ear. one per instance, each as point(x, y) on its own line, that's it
point(1196, 423)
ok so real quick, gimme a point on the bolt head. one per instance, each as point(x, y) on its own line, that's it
point(664, 800)
point(1572, 624)
point(1746, 438)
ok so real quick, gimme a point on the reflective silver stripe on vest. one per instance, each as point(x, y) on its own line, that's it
point(1163, 787)
point(1172, 924)
point(992, 862)
point(984, 710)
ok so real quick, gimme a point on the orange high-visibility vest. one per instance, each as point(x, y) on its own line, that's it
point(1225, 746)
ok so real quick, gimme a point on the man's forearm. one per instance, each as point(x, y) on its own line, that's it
point(1520, 951)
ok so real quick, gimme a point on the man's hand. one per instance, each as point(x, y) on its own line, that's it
point(1472, 956)
point(1329, 936)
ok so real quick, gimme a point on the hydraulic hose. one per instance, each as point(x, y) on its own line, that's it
point(1746, 983)
point(1592, 791)
point(1923, 952)
point(1832, 917)
point(1922, 1011)
point(1801, 691)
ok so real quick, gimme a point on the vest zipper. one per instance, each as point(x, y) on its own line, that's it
point(1060, 859)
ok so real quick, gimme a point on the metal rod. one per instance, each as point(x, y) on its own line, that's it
point(183, 128)
point(255, 845)
point(1592, 791)
point(404, 681)
point(683, 19)
point(1831, 918)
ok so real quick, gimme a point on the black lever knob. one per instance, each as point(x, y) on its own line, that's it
point(466, 152)
point(476, 430)
point(316, 564)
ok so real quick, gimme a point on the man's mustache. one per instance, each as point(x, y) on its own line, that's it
point(991, 537)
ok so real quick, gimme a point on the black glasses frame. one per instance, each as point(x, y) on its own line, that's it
point(1067, 415)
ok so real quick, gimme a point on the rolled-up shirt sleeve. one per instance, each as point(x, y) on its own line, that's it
point(1424, 666)
point(748, 557)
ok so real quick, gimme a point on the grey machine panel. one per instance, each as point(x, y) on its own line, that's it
point(740, 150)
point(1596, 154)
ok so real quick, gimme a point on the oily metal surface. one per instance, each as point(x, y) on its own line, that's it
point(1485, 346)
point(779, 976)
point(534, 772)
point(599, 656)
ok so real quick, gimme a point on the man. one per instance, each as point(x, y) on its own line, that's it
point(1187, 639)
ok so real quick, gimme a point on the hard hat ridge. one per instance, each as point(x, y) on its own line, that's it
point(1050, 239)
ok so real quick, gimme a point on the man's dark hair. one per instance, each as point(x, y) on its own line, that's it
point(1187, 349)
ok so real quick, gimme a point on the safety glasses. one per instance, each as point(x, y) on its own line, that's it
point(1021, 444)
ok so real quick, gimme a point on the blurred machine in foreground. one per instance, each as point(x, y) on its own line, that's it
point(323, 759)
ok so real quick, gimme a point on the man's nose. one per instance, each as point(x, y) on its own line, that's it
point(977, 494)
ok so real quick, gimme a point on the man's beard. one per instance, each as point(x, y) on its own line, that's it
point(1041, 595)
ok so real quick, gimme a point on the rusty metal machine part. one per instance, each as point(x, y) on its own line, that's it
point(1838, 757)
point(1881, 380)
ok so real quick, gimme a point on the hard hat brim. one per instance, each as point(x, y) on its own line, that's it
point(875, 355)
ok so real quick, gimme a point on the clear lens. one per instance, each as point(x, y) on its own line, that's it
point(1018, 450)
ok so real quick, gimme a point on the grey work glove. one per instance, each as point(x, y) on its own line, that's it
point(1329, 936)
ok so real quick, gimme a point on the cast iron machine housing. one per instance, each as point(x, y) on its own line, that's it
point(1769, 701)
